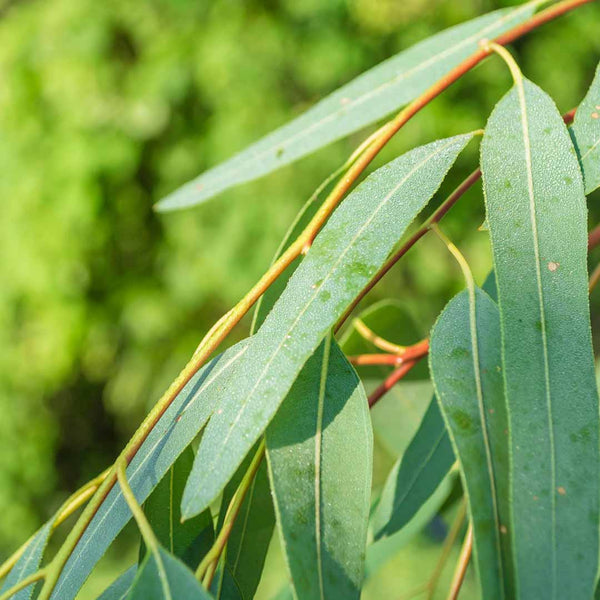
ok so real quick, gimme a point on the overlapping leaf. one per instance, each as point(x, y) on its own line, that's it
point(466, 369)
point(189, 540)
point(415, 476)
point(163, 577)
point(252, 531)
point(319, 448)
point(176, 429)
point(585, 132)
point(537, 220)
point(348, 251)
point(28, 563)
point(365, 100)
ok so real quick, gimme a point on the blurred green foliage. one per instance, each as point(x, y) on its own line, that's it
point(105, 107)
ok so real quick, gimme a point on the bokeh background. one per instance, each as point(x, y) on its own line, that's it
point(107, 106)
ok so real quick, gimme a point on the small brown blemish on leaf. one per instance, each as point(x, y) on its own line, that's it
point(344, 101)
point(595, 115)
point(505, 432)
point(561, 490)
point(492, 411)
point(178, 419)
point(535, 498)
point(503, 529)
point(552, 266)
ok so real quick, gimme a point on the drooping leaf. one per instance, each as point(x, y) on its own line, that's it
point(386, 548)
point(163, 577)
point(585, 133)
point(119, 589)
point(175, 431)
point(319, 447)
point(252, 531)
point(188, 540)
point(348, 251)
point(415, 476)
point(467, 374)
point(389, 319)
point(537, 218)
point(28, 563)
point(365, 100)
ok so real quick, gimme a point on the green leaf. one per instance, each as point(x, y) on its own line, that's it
point(252, 531)
point(537, 217)
point(415, 476)
point(386, 548)
point(467, 375)
point(367, 99)
point(349, 250)
point(119, 589)
point(163, 577)
point(391, 320)
point(28, 563)
point(585, 133)
point(398, 415)
point(175, 431)
point(190, 540)
point(319, 447)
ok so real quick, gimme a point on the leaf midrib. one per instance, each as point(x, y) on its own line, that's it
point(532, 213)
point(317, 290)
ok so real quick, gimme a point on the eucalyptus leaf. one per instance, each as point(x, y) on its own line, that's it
point(537, 219)
point(345, 255)
point(176, 429)
point(189, 540)
point(163, 577)
point(319, 448)
point(585, 133)
point(252, 531)
point(467, 375)
point(28, 563)
point(415, 476)
point(119, 589)
point(363, 101)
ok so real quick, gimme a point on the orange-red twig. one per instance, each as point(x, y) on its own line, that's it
point(391, 381)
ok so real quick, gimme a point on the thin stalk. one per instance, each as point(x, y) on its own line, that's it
point(206, 569)
point(461, 566)
point(391, 381)
point(368, 334)
point(594, 278)
point(75, 501)
point(209, 345)
point(26, 582)
point(375, 359)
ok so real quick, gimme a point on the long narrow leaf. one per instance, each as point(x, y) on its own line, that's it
point(319, 448)
point(466, 368)
point(585, 132)
point(537, 220)
point(175, 431)
point(365, 100)
point(119, 588)
point(28, 563)
point(354, 243)
point(415, 476)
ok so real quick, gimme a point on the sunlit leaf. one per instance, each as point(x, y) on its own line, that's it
point(537, 218)
point(174, 432)
point(319, 447)
point(467, 374)
point(348, 251)
point(163, 577)
point(415, 476)
point(363, 101)
point(585, 132)
point(28, 563)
